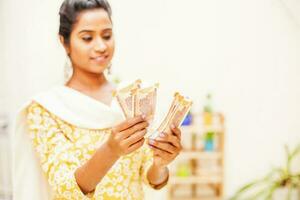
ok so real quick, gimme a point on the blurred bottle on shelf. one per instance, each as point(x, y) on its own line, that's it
point(194, 141)
point(207, 122)
point(208, 110)
point(183, 169)
point(209, 141)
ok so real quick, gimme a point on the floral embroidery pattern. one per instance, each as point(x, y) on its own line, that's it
point(62, 148)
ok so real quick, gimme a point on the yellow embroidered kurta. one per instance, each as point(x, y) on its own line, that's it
point(62, 148)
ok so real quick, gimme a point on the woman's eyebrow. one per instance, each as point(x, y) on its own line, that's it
point(90, 31)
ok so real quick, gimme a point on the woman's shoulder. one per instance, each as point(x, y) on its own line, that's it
point(36, 108)
point(29, 109)
point(33, 106)
point(33, 101)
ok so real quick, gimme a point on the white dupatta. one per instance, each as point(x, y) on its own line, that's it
point(71, 106)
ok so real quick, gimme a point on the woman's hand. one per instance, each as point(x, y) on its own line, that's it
point(128, 136)
point(124, 139)
point(166, 147)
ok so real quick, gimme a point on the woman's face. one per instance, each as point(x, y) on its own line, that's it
point(91, 42)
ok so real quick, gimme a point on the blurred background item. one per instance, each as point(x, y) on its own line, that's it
point(198, 172)
point(5, 160)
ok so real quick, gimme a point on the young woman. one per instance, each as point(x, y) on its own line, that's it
point(71, 141)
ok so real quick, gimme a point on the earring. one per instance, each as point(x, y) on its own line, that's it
point(109, 69)
point(68, 70)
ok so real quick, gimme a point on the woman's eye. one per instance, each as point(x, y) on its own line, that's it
point(87, 39)
point(107, 37)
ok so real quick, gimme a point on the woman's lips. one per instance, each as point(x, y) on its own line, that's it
point(99, 59)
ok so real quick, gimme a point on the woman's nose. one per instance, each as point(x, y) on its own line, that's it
point(100, 46)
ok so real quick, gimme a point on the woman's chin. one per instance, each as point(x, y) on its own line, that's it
point(97, 69)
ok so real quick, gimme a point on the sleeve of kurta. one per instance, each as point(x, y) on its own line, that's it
point(59, 157)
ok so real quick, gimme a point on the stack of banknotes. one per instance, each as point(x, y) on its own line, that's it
point(135, 100)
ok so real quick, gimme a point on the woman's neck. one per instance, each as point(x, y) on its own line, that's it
point(86, 82)
point(95, 86)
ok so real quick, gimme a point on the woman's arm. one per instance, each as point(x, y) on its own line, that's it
point(57, 154)
point(91, 173)
point(165, 149)
point(157, 176)
point(59, 157)
point(124, 139)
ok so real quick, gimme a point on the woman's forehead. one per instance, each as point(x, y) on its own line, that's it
point(93, 20)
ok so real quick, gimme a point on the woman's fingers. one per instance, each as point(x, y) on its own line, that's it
point(176, 131)
point(135, 137)
point(164, 146)
point(163, 154)
point(136, 145)
point(172, 139)
point(132, 130)
point(128, 123)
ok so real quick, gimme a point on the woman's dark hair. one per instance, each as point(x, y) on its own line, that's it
point(69, 11)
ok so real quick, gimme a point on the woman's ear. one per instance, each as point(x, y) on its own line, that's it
point(66, 47)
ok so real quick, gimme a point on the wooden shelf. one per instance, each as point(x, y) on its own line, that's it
point(206, 167)
point(196, 198)
point(196, 180)
point(200, 129)
point(199, 155)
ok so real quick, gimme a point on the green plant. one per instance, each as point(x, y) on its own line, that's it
point(281, 177)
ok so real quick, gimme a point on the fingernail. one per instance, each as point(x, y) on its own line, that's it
point(151, 141)
point(172, 126)
point(144, 117)
point(162, 135)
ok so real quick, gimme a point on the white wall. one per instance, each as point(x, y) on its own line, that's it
point(5, 183)
point(245, 52)
point(34, 57)
point(2, 55)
